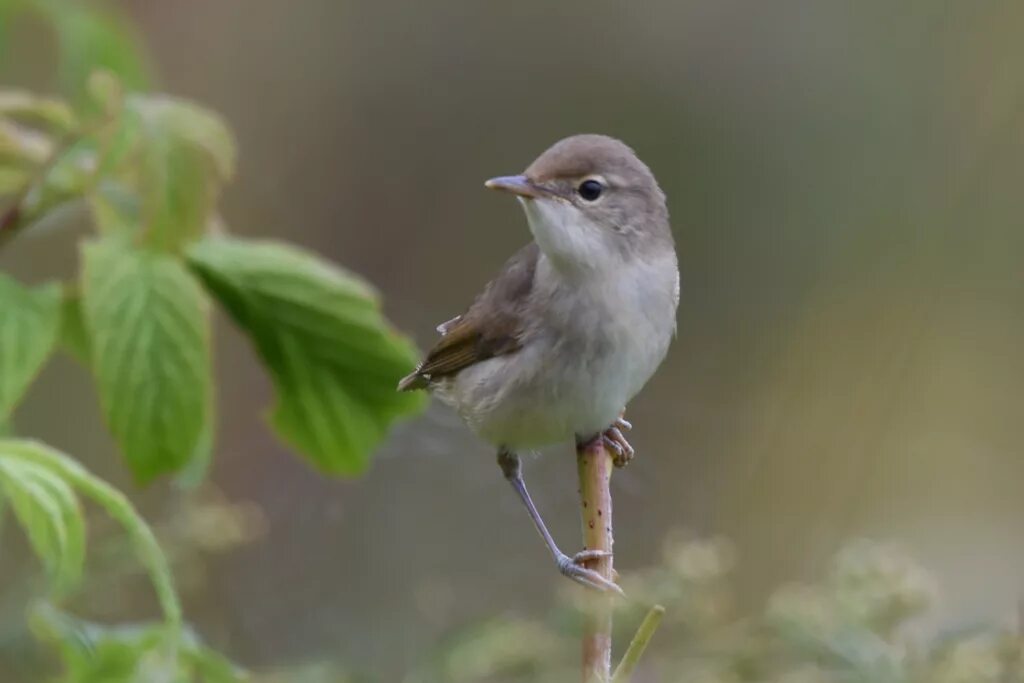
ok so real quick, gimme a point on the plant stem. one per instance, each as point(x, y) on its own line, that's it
point(639, 643)
point(594, 465)
point(16, 216)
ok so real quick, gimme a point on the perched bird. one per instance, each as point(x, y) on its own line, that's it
point(575, 323)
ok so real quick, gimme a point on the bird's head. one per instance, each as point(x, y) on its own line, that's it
point(591, 204)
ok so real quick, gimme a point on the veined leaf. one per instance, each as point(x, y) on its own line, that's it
point(190, 124)
point(49, 513)
point(178, 192)
point(148, 322)
point(333, 358)
point(29, 324)
point(116, 505)
point(71, 522)
point(37, 513)
point(187, 153)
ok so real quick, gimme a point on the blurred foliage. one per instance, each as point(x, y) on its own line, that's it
point(92, 653)
point(855, 625)
point(42, 487)
point(148, 169)
point(90, 36)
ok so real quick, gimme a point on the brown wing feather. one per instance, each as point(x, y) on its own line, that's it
point(492, 326)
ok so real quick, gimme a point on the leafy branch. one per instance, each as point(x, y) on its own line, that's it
point(148, 169)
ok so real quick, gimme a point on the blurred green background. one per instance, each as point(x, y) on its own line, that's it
point(845, 181)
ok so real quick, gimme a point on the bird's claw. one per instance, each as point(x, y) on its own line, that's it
point(588, 555)
point(573, 569)
point(616, 441)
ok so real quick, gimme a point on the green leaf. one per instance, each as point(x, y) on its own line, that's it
point(49, 513)
point(192, 125)
point(29, 324)
point(333, 358)
point(149, 325)
point(194, 473)
point(44, 112)
point(117, 506)
point(93, 653)
point(93, 38)
point(128, 654)
point(178, 194)
point(38, 514)
point(187, 153)
point(72, 559)
point(74, 336)
point(22, 148)
point(120, 142)
point(115, 210)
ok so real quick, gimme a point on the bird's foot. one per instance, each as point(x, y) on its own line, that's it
point(573, 568)
point(616, 440)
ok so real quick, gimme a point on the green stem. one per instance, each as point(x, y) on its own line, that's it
point(639, 643)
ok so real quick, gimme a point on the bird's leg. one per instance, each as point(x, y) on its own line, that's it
point(615, 440)
point(569, 566)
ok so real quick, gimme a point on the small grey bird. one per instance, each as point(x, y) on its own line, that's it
point(575, 323)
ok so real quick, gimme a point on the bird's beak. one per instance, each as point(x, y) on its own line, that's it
point(517, 185)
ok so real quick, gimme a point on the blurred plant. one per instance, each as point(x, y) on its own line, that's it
point(42, 487)
point(852, 627)
point(148, 170)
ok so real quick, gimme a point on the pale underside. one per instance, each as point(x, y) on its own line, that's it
point(579, 363)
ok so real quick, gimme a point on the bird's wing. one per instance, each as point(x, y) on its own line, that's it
point(493, 325)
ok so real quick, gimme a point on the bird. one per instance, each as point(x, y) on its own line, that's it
point(575, 323)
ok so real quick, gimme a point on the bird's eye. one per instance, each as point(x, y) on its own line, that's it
point(590, 190)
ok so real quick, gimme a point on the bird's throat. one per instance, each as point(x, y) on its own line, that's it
point(572, 243)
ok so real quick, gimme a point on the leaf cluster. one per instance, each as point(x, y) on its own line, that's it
point(149, 170)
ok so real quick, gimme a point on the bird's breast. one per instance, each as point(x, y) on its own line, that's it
point(618, 329)
point(589, 350)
